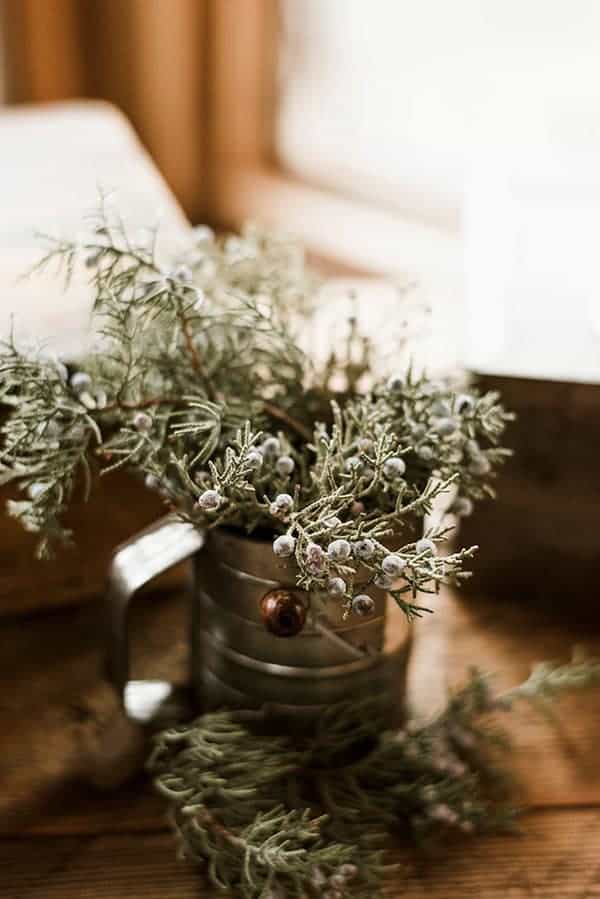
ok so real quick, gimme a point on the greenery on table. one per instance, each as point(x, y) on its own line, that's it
point(278, 817)
point(197, 381)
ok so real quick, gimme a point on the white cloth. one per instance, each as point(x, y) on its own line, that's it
point(53, 161)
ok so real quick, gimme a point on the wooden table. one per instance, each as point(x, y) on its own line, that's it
point(61, 837)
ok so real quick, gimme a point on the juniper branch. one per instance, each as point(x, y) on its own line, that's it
point(355, 785)
point(198, 357)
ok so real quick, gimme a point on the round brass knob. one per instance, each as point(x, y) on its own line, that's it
point(283, 613)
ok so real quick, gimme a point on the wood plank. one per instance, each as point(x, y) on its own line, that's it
point(57, 715)
point(556, 765)
point(539, 539)
point(25, 865)
point(89, 867)
point(555, 858)
point(119, 506)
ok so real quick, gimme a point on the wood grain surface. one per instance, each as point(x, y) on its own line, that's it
point(556, 858)
point(118, 507)
point(60, 836)
point(539, 539)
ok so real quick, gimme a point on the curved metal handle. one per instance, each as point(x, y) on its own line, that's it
point(134, 563)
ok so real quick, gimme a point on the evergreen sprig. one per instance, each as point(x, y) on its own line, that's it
point(280, 818)
point(198, 383)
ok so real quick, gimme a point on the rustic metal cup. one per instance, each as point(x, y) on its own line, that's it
point(236, 660)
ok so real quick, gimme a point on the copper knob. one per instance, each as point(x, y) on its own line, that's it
point(283, 613)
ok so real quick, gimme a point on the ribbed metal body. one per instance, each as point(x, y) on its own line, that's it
point(236, 659)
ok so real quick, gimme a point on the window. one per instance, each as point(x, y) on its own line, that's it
point(415, 138)
point(453, 144)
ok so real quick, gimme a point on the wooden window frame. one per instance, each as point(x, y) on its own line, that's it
point(250, 184)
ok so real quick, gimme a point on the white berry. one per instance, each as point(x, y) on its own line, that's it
point(284, 546)
point(254, 459)
point(315, 558)
point(285, 465)
point(339, 550)
point(36, 489)
point(395, 383)
point(202, 233)
point(336, 586)
point(464, 403)
point(424, 545)
point(363, 604)
point(394, 467)
point(393, 565)
point(80, 381)
point(364, 549)
point(425, 453)
point(284, 502)
point(209, 500)
point(142, 422)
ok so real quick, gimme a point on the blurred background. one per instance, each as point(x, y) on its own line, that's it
point(449, 146)
point(393, 137)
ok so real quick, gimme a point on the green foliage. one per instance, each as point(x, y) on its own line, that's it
point(198, 383)
point(272, 816)
point(48, 441)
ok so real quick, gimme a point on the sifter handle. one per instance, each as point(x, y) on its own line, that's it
point(134, 563)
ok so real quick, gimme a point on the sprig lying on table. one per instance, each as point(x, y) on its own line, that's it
point(271, 817)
